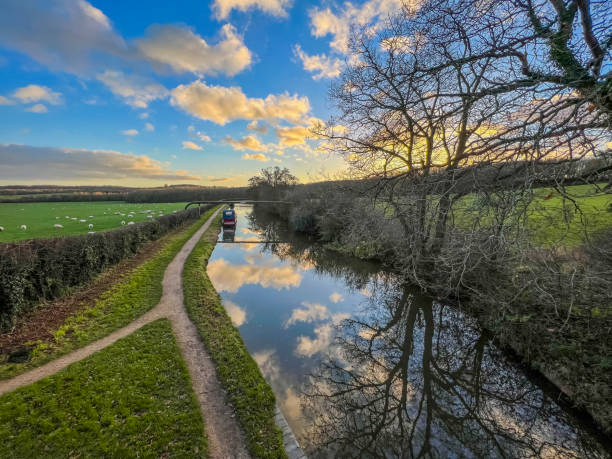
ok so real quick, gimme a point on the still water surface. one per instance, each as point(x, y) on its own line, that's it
point(363, 366)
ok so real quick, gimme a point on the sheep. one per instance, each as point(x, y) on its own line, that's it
point(73, 218)
point(1, 228)
point(90, 226)
point(57, 218)
point(83, 221)
point(91, 216)
point(149, 216)
point(123, 222)
point(67, 217)
point(58, 226)
point(23, 227)
point(130, 223)
point(91, 232)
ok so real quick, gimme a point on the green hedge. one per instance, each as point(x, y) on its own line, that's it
point(44, 269)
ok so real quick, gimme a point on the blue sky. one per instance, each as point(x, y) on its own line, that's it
point(147, 93)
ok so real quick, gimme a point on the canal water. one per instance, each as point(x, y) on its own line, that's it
point(363, 366)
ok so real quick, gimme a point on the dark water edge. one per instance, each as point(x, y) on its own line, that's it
point(475, 400)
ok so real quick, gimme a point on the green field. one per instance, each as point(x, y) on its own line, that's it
point(553, 220)
point(40, 217)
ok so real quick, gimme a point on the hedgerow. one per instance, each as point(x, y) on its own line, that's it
point(43, 269)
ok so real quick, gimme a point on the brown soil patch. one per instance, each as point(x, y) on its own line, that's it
point(47, 317)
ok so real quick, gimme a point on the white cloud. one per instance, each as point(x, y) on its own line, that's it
point(51, 164)
point(61, 34)
point(336, 297)
point(149, 127)
point(200, 135)
point(256, 157)
point(230, 277)
point(6, 101)
point(310, 313)
point(338, 25)
point(38, 108)
point(247, 143)
point(143, 116)
point(236, 313)
point(36, 93)
point(184, 51)
point(307, 347)
point(277, 8)
point(320, 64)
point(130, 132)
point(189, 145)
point(224, 104)
point(137, 92)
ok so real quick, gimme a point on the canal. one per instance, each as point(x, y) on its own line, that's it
point(364, 366)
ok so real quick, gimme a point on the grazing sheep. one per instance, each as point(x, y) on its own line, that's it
point(91, 232)
point(67, 217)
point(90, 226)
point(91, 216)
point(73, 218)
point(1, 228)
point(149, 216)
point(123, 222)
point(83, 221)
point(23, 227)
point(57, 218)
point(130, 223)
point(57, 226)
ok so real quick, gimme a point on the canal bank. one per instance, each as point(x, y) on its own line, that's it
point(424, 376)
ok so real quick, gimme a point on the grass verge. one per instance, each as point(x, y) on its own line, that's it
point(132, 399)
point(250, 394)
point(138, 292)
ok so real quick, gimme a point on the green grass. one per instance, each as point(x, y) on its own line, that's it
point(39, 217)
point(139, 291)
point(558, 221)
point(249, 392)
point(132, 399)
point(554, 220)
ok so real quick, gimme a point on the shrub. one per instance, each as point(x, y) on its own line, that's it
point(43, 269)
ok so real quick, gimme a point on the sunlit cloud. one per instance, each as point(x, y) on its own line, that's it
point(236, 313)
point(256, 127)
point(149, 127)
point(336, 297)
point(135, 91)
point(321, 65)
point(223, 8)
point(311, 312)
point(36, 93)
point(256, 157)
point(130, 132)
point(222, 104)
point(247, 143)
point(307, 346)
point(229, 277)
point(37, 108)
point(47, 164)
point(189, 145)
point(182, 50)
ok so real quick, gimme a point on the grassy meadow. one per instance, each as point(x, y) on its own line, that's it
point(40, 217)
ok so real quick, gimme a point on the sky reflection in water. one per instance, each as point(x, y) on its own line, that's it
point(370, 368)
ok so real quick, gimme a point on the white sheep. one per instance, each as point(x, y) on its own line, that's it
point(1, 228)
point(67, 217)
point(83, 221)
point(130, 223)
point(91, 232)
point(23, 227)
point(57, 218)
point(58, 226)
point(91, 216)
point(149, 216)
point(73, 218)
point(90, 226)
point(123, 222)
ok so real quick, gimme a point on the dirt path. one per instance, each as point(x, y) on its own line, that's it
point(225, 438)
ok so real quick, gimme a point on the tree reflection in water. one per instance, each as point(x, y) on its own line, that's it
point(409, 377)
point(413, 378)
